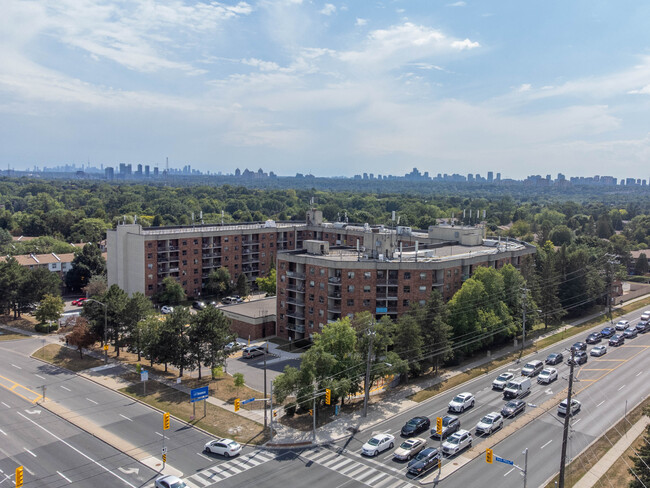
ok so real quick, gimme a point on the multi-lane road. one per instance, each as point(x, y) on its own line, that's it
point(56, 453)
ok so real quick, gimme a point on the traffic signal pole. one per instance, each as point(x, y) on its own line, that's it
point(565, 433)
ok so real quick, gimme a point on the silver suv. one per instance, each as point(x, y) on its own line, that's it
point(457, 442)
point(533, 368)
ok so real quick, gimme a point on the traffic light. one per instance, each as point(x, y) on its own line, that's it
point(328, 396)
point(439, 425)
point(275, 413)
point(166, 421)
point(311, 412)
point(488, 456)
point(19, 476)
point(237, 404)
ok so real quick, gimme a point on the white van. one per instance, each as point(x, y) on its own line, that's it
point(517, 388)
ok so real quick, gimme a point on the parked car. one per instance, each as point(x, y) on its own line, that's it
point(415, 426)
point(457, 442)
point(234, 346)
point(575, 407)
point(223, 447)
point(617, 340)
point(461, 402)
point(488, 424)
point(500, 382)
point(594, 338)
point(579, 357)
point(513, 407)
point(199, 305)
point(532, 368)
point(598, 351)
point(548, 375)
point(425, 460)
point(409, 448)
point(378, 443)
point(641, 327)
point(165, 309)
point(622, 324)
point(579, 346)
point(79, 302)
point(450, 425)
point(252, 351)
point(554, 358)
point(170, 481)
point(608, 332)
point(630, 333)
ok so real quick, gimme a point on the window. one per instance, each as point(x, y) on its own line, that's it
point(350, 288)
point(423, 288)
point(196, 241)
point(196, 251)
point(407, 275)
point(196, 261)
point(312, 283)
point(196, 281)
point(225, 258)
point(150, 276)
point(281, 316)
point(225, 248)
point(320, 325)
point(270, 244)
point(311, 324)
point(350, 275)
point(196, 271)
point(350, 302)
point(405, 303)
point(448, 273)
point(423, 276)
point(236, 266)
point(311, 297)
point(150, 265)
point(311, 310)
point(282, 265)
point(366, 289)
point(149, 244)
point(455, 271)
point(367, 275)
point(422, 303)
point(150, 287)
point(185, 243)
point(184, 262)
point(407, 289)
point(312, 271)
point(184, 252)
point(321, 286)
point(281, 303)
point(263, 245)
point(320, 313)
point(225, 239)
point(236, 238)
point(321, 299)
point(236, 248)
point(366, 303)
point(150, 255)
point(322, 271)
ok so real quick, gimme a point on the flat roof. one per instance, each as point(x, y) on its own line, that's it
point(263, 307)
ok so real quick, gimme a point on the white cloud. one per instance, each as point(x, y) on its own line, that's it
point(642, 91)
point(524, 87)
point(328, 9)
point(465, 44)
point(262, 65)
point(457, 4)
point(361, 22)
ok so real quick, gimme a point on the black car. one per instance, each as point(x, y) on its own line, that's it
point(608, 332)
point(617, 340)
point(580, 357)
point(554, 358)
point(450, 425)
point(642, 327)
point(594, 338)
point(415, 426)
point(198, 305)
point(579, 346)
point(513, 407)
point(630, 333)
point(425, 460)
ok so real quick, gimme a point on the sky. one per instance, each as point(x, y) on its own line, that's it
point(332, 89)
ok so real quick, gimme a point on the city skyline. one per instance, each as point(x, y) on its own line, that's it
point(322, 87)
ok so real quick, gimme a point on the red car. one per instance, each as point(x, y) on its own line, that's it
point(79, 302)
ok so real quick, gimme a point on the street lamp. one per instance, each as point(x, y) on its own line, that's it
point(105, 328)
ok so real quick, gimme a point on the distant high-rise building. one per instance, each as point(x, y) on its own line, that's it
point(146, 170)
point(139, 170)
point(109, 173)
point(470, 177)
point(490, 177)
point(155, 171)
point(498, 176)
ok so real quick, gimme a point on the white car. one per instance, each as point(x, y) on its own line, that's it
point(598, 350)
point(502, 380)
point(457, 442)
point(166, 309)
point(223, 447)
point(488, 424)
point(622, 324)
point(575, 407)
point(547, 375)
point(234, 346)
point(461, 402)
point(377, 444)
point(646, 316)
point(170, 481)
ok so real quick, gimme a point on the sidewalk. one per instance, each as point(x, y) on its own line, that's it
point(594, 475)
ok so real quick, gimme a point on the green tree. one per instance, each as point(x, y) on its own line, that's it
point(561, 235)
point(436, 332)
point(138, 307)
point(37, 283)
point(208, 334)
point(86, 263)
point(604, 227)
point(89, 230)
point(242, 287)
point(218, 283)
point(176, 329)
point(12, 277)
point(409, 343)
point(641, 264)
point(641, 462)
point(546, 288)
point(172, 292)
point(49, 309)
point(97, 285)
point(267, 283)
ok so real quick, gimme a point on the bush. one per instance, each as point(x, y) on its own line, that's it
point(45, 328)
point(290, 409)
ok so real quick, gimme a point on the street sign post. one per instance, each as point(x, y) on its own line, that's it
point(504, 461)
point(244, 402)
point(198, 394)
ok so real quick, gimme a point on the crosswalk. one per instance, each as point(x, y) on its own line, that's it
point(232, 467)
point(352, 469)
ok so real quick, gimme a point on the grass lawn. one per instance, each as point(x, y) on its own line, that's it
point(8, 335)
point(217, 421)
point(66, 358)
point(618, 474)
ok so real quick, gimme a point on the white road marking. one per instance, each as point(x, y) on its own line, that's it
point(92, 401)
point(199, 454)
point(577, 421)
point(77, 450)
point(3, 432)
point(66, 388)
point(127, 418)
point(17, 367)
point(546, 444)
point(509, 472)
point(600, 403)
point(639, 373)
point(621, 388)
point(64, 476)
point(159, 434)
point(29, 451)
point(6, 405)
point(39, 376)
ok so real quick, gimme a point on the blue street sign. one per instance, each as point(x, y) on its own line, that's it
point(244, 402)
point(504, 461)
point(198, 394)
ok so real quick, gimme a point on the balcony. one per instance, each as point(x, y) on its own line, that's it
point(334, 280)
point(334, 296)
point(296, 314)
point(381, 282)
point(296, 328)
point(295, 275)
point(334, 309)
point(297, 289)
point(295, 301)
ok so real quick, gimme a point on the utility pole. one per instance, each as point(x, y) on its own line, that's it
point(265, 353)
point(366, 385)
point(271, 410)
point(314, 415)
point(525, 466)
point(523, 322)
point(567, 417)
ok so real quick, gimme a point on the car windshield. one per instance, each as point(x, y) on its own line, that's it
point(407, 444)
point(412, 423)
point(511, 405)
point(459, 399)
point(446, 421)
point(544, 373)
point(233, 444)
point(374, 441)
point(503, 377)
point(454, 440)
point(178, 484)
point(487, 420)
